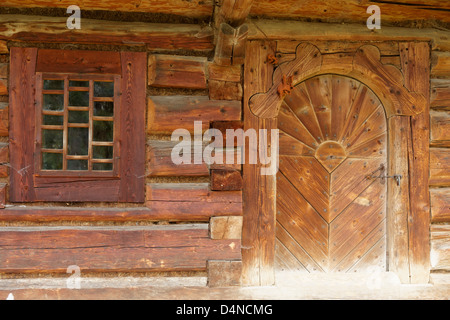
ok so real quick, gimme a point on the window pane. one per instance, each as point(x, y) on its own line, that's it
point(79, 98)
point(77, 164)
point(103, 131)
point(78, 83)
point(52, 139)
point(53, 102)
point(52, 120)
point(103, 89)
point(102, 166)
point(77, 141)
point(78, 116)
point(104, 108)
point(52, 161)
point(53, 84)
point(102, 152)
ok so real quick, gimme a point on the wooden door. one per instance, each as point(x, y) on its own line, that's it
point(331, 210)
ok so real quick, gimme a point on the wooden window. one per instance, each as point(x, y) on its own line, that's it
point(77, 125)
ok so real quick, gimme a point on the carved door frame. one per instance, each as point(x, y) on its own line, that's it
point(405, 95)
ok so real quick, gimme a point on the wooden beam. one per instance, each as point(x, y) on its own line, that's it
point(234, 12)
point(230, 47)
point(4, 159)
point(29, 28)
point(3, 79)
point(439, 167)
point(226, 180)
point(225, 227)
point(316, 31)
point(258, 232)
point(112, 249)
point(225, 90)
point(416, 70)
point(440, 204)
point(3, 47)
point(440, 65)
point(168, 113)
point(177, 71)
point(2, 195)
point(4, 121)
point(224, 273)
point(196, 9)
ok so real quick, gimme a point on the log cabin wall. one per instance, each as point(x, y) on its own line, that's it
point(190, 222)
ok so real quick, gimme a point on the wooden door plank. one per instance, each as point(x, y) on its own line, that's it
point(285, 260)
point(320, 93)
point(374, 260)
point(289, 146)
point(300, 103)
point(374, 148)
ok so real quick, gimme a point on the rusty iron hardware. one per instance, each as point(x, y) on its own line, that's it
point(285, 86)
point(272, 59)
point(383, 176)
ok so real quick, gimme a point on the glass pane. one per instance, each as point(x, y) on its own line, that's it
point(53, 102)
point(103, 89)
point(52, 161)
point(79, 98)
point(102, 166)
point(52, 139)
point(102, 152)
point(52, 120)
point(78, 141)
point(53, 84)
point(104, 108)
point(103, 131)
point(77, 164)
point(78, 116)
point(78, 83)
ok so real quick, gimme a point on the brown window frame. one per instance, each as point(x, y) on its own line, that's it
point(28, 182)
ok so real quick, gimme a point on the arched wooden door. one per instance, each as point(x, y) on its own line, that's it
point(331, 210)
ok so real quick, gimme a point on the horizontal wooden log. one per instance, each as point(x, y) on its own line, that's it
point(159, 161)
point(3, 47)
point(4, 122)
point(224, 273)
point(177, 71)
point(439, 167)
point(226, 180)
point(352, 10)
point(316, 31)
point(224, 90)
point(440, 128)
point(3, 86)
point(440, 250)
point(4, 70)
point(176, 7)
point(2, 195)
point(168, 113)
point(440, 205)
point(225, 227)
point(440, 65)
point(46, 249)
point(235, 132)
point(152, 35)
point(4, 159)
point(224, 73)
point(440, 94)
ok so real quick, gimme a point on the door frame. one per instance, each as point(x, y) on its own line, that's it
point(404, 94)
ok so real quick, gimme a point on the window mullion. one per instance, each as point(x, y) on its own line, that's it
point(66, 120)
point(91, 122)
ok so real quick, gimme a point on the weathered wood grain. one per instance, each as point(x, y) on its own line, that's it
point(168, 113)
point(3, 187)
point(440, 204)
point(440, 250)
point(224, 90)
point(4, 159)
point(230, 44)
point(177, 71)
point(231, 129)
point(258, 233)
point(224, 273)
point(226, 180)
point(439, 167)
point(416, 70)
point(440, 64)
point(440, 94)
point(115, 249)
point(224, 73)
point(234, 12)
point(3, 78)
point(225, 227)
point(440, 129)
point(3, 47)
point(4, 119)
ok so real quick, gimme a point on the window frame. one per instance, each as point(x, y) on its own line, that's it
point(40, 77)
point(30, 184)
